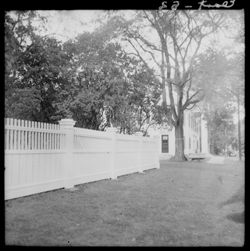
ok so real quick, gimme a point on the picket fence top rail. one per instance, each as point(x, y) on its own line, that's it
point(26, 125)
point(35, 151)
point(11, 123)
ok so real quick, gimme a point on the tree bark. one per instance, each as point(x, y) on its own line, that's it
point(179, 141)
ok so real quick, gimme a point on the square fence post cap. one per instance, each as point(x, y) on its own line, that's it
point(67, 122)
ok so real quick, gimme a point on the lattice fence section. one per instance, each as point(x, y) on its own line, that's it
point(30, 135)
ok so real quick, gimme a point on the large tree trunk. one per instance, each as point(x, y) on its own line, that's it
point(179, 142)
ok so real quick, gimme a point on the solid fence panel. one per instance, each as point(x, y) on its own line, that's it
point(127, 150)
point(91, 155)
point(39, 156)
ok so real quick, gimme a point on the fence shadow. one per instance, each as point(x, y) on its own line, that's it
point(237, 217)
point(236, 198)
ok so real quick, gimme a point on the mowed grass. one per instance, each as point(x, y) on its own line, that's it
point(180, 204)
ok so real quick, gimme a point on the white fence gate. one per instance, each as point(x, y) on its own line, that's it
point(41, 157)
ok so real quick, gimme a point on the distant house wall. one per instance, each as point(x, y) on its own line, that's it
point(195, 136)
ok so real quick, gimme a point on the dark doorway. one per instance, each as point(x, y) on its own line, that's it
point(164, 143)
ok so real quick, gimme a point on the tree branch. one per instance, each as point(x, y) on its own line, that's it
point(192, 106)
point(189, 101)
point(151, 54)
point(138, 54)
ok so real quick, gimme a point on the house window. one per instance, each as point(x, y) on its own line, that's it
point(164, 143)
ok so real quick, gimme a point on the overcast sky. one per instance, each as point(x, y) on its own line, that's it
point(66, 24)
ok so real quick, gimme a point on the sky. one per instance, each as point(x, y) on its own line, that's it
point(66, 24)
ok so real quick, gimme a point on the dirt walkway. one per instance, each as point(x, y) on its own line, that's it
point(181, 204)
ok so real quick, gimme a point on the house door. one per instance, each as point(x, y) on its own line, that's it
point(164, 143)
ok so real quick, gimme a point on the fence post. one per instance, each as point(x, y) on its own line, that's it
point(112, 132)
point(67, 126)
point(140, 150)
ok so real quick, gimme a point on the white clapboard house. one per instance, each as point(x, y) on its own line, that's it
point(195, 136)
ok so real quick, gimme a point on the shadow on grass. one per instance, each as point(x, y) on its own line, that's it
point(236, 198)
point(237, 217)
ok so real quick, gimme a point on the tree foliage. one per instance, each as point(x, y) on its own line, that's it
point(222, 130)
point(178, 36)
point(98, 83)
point(223, 79)
point(90, 78)
point(39, 71)
point(107, 87)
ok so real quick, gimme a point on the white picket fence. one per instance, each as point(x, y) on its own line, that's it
point(41, 157)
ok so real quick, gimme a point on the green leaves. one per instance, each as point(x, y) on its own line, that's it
point(90, 79)
point(23, 103)
point(34, 71)
point(108, 87)
point(222, 130)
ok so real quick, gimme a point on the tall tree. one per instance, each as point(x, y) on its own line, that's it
point(35, 68)
point(222, 130)
point(223, 78)
point(90, 79)
point(235, 87)
point(106, 87)
point(178, 38)
point(41, 70)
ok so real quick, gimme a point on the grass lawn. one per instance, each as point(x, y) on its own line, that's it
point(180, 204)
